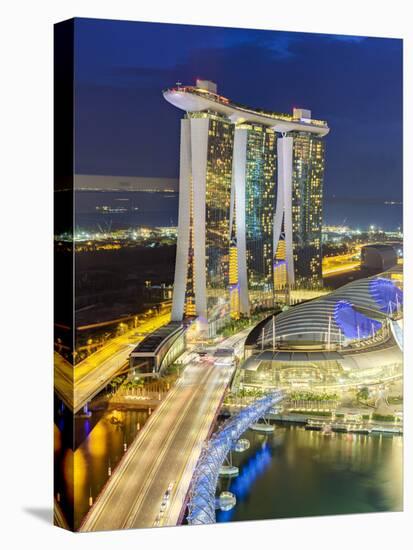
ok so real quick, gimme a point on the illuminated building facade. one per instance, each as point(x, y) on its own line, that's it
point(348, 336)
point(307, 197)
point(280, 267)
point(254, 170)
point(298, 219)
point(202, 266)
point(233, 281)
point(235, 246)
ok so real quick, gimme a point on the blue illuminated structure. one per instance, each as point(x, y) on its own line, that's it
point(387, 296)
point(201, 503)
point(352, 323)
point(250, 472)
point(354, 311)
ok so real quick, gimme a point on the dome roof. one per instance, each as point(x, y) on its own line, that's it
point(354, 311)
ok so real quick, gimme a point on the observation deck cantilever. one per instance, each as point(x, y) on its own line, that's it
point(192, 99)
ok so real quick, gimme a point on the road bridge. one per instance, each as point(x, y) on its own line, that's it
point(165, 453)
point(76, 386)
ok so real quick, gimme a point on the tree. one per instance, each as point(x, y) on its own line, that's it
point(363, 394)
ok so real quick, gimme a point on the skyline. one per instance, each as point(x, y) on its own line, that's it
point(234, 160)
point(337, 210)
point(119, 85)
point(253, 322)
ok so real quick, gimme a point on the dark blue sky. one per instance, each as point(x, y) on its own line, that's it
point(125, 127)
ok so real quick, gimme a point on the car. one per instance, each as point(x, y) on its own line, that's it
point(168, 491)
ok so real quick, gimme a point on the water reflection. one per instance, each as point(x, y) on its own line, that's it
point(290, 473)
point(251, 470)
point(303, 473)
point(101, 441)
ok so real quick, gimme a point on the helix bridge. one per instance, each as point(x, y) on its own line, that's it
point(202, 500)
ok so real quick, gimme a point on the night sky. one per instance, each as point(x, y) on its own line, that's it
point(124, 127)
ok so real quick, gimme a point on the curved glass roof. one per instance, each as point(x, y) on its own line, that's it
point(354, 311)
point(352, 323)
point(386, 295)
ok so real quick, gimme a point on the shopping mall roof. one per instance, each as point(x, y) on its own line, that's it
point(354, 311)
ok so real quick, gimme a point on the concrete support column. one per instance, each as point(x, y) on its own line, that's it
point(199, 154)
point(182, 249)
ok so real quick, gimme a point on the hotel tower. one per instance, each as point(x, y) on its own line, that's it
point(250, 205)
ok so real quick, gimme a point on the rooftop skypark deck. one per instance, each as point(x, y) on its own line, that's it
point(195, 99)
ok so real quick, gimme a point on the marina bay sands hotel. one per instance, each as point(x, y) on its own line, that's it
point(250, 205)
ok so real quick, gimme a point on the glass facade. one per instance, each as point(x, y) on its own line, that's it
point(233, 281)
point(259, 215)
point(190, 307)
point(293, 374)
point(218, 198)
point(228, 176)
point(280, 267)
point(220, 142)
point(307, 197)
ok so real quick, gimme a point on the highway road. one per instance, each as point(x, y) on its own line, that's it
point(340, 264)
point(63, 379)
point(165, 453)
point(76, 386)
